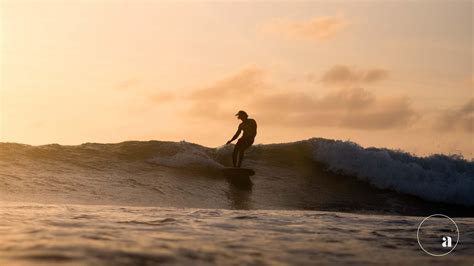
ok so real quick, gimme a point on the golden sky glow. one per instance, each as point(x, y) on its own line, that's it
point(395, 74)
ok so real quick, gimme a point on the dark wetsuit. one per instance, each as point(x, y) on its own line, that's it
point(249, 127)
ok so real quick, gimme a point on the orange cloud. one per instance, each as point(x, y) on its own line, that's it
point(347, 108)
point(207, 110)
point(238, 86)
point(345, 75)
point(319, 28)
point(384, 114)
point(153, 96)
point(461, 118)
point(289, 101)
point(354, 98)
point(214, 101)
point(161, 97)
point(127, 84)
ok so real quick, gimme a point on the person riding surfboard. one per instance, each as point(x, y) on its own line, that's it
point(249, 127)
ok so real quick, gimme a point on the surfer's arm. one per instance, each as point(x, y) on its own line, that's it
point(236, 135)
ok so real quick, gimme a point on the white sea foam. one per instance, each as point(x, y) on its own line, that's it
point(437, 178)
point(189, 156)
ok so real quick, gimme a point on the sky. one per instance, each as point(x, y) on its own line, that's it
point(394, 74)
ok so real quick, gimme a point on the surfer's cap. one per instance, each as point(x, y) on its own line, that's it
point(241, 114)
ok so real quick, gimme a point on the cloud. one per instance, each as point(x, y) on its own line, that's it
point(461, 118)
point(207, 110)
point(289, 101)
point(127, 84)
point(354, 98)
point(384, 114)
point(161, 97)
point(467, 108)
point(346, 75)
point(346, 108)
point(237, 86)
point(346, 99)
point(151, 96)
point(318, 28)
point(226, 95)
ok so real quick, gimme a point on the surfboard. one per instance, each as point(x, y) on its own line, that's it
point(238, 172)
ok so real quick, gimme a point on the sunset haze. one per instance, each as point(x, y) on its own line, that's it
point(394, 74)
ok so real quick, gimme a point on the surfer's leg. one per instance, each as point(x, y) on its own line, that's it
point(242, 150)
point(236, 153)
point(241, 158)
point(234, 156)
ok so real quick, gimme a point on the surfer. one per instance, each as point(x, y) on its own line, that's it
point(249, 127)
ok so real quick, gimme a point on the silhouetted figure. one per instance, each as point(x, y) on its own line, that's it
point(249, 127)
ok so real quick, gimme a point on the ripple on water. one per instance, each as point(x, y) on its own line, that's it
point(98, 235)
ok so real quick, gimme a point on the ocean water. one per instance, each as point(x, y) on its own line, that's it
point(316, 201)
point(41, 234)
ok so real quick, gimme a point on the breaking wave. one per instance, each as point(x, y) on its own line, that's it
point(309, 174)
point(439, 178)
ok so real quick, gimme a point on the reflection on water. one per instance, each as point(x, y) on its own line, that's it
point(240, 191)
point(39, 234)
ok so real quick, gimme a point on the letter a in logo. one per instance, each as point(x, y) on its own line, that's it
point(446, 242)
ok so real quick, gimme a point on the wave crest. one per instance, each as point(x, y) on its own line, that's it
point(439, 178)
